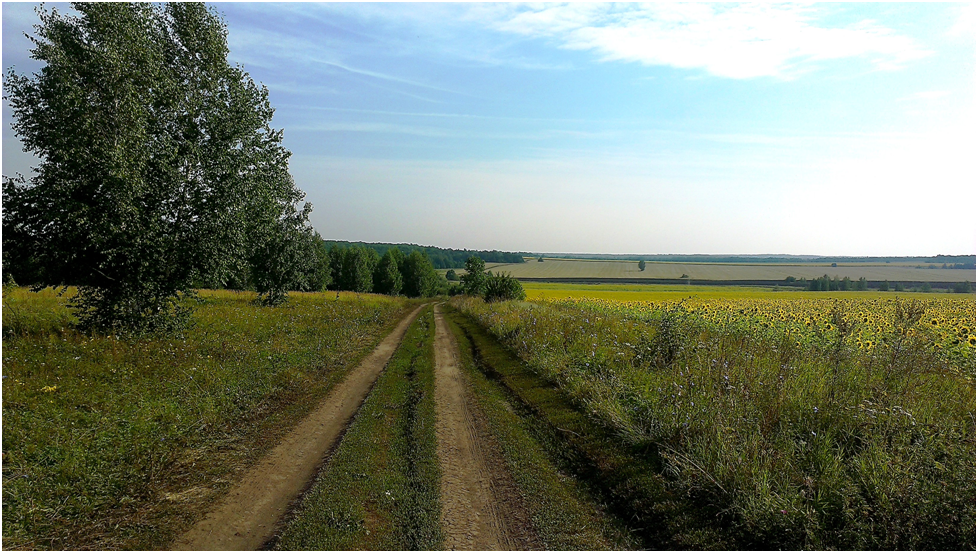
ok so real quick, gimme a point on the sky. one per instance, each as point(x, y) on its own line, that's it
point(821, 129)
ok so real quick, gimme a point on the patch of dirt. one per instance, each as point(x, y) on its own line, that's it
point(481, 506)
point(248, 515)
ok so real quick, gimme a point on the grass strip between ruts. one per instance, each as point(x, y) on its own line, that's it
point(379, 489)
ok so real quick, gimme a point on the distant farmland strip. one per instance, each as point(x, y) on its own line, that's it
point(563, 270)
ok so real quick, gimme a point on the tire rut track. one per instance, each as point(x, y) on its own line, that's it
point(248, 515)
point(481, 507)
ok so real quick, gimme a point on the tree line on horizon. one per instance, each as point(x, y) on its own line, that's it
point(441, 258)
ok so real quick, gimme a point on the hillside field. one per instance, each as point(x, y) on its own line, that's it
point(677, 292)
point(560, 269)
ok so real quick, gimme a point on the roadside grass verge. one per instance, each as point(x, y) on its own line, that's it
point(751, 435)
point(119, 443)
point(379, 489)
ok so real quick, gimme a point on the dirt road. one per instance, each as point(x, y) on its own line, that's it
point(248, 515)
point(481, 507)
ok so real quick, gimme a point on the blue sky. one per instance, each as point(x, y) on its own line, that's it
point(833, 129)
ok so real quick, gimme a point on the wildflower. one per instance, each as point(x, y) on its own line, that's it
point(48, 389)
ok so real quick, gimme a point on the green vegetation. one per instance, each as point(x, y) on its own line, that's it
point(474, 279)
point(563, 513)
point(826, 284)
point(502, 287)
point(751, 438)
point(379, 490)
point(641, 265)
point(150, 180)
point(441, 258)
point(362, 270)
point(113, 442)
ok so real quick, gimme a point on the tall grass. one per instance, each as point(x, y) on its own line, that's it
point(114, 442)
point(774, 442)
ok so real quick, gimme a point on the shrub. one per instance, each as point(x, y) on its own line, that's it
point(502, 287)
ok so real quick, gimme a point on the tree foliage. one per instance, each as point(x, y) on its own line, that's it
point(502, 287)
point(158, 167)
point(357, 270)
point(474, 279)
point(387, 277)
point(420, 278)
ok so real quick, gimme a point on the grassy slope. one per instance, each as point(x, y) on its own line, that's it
point(574, 268)
point(379, 489)
point(767, 447)
point(563, 513)
point(117, 443)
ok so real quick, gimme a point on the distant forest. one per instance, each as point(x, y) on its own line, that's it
point(952, 261)
point(441, 258)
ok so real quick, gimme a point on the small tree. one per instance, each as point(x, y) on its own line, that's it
point(387, 276)
point(420, 278)
point(641, 265)
point(474, 279)
point(357, 269)
point(451, 276)
point(502, 287)
point(285, 260)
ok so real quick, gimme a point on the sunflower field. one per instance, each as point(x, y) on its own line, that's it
point(797, 423)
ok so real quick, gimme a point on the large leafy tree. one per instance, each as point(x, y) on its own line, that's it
point(158, 165)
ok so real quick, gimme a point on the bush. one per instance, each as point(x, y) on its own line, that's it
point(502, 287)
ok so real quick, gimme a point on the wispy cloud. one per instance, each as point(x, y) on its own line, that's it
point(274, 50)
point(926, 95)
point(966, 23)
point(734, 41)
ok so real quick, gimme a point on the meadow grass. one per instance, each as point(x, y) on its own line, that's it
point(564, 514)
point(113, 442)
point(379, 489)
point(769, 441)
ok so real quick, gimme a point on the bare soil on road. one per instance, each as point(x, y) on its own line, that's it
point(481, 506)
point(249, 514)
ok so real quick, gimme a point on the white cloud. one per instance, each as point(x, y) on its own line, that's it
point(966, 23)
point(734, 41)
